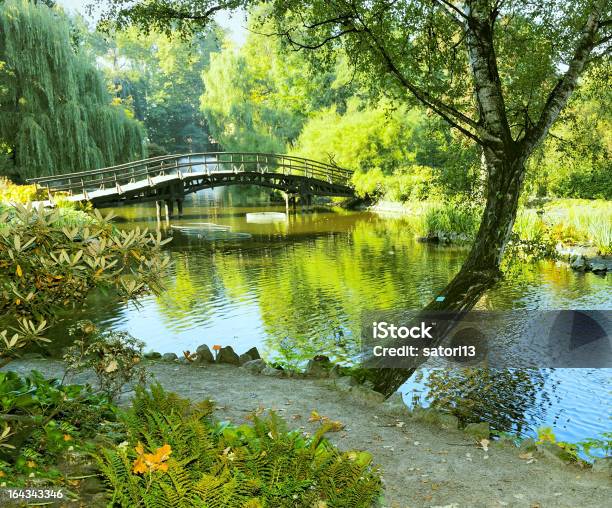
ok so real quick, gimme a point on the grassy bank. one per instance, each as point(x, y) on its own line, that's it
point(569, 222)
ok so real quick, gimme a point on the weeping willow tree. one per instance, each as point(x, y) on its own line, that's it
point(55, 111)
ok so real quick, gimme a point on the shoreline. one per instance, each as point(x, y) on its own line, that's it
point(426, 460)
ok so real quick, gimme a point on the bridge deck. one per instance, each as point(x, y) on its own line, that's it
point(172, 177)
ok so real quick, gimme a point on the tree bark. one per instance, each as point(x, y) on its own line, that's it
point(480, 271)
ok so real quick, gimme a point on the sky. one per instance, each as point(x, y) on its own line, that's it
point(234, 23)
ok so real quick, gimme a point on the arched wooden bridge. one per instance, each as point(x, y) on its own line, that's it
point(167, 179)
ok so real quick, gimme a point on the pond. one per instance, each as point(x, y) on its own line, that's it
point(297, 288)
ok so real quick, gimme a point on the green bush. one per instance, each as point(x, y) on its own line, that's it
point(114, 356)
point(46, 265)
point(47, 423)
point(177, 455)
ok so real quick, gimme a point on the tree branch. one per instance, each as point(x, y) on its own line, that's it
point(560, 94)
point(441, 108)
point(456, 14)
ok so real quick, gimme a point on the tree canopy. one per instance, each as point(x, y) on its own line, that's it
point(160, 79)
point(56, 115)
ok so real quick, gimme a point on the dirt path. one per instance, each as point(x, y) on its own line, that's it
point(423, 465)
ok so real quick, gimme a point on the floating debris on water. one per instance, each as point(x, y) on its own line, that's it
point(201, 226)
point(209, 231)
point(266, 216)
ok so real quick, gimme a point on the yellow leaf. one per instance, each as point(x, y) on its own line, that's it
point(484, 443)
point(112, 366)
point(314, 416)
point(139, 466)
point(336, 426)
point(67, 437)
point(19, 272)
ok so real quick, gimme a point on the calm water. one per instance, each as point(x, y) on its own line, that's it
point(297, 288)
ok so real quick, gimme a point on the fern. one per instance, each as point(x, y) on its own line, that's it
point(219, 465)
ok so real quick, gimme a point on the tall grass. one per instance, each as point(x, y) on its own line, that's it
point(570, 222)
point(457, 218)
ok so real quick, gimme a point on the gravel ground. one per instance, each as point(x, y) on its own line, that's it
point(423, 465)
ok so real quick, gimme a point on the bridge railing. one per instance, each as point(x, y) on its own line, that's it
point(189, 164)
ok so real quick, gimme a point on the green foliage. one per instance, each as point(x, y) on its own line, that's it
point(595, 447)
point(590, 448)
point(457, 217)
point(46, 422)
point(55, 111)
point(575, 162)
point(45, 265)
point(568, 222)
point(115, 357)
point(257, 98)
point(397, 155)
point(217, 464)
point(158, 79)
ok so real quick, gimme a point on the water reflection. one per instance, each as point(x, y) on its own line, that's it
point(298, 288)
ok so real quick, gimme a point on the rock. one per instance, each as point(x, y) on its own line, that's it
point(368, 384)
point(228, 355)
point(253, 353)
point(554, 452)
point(244, 358)
point(395, 405)
point(448, 422)
point(319, 366)
point(603, 465)
point(254, 366)
point(478, 430)
point(344, 384)
point(366, 395)
point(204, 354)
point(152, 355)
point(335, 372)
point(169, 357)
point(598, 266)
point(427, 414)
point(579, 263)
point(271, 371)
point(184, 361)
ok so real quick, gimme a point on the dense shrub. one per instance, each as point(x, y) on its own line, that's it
point(47, 423)
point(114, 356)
point(46, 264)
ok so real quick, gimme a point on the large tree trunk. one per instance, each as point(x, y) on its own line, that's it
point(480, 271)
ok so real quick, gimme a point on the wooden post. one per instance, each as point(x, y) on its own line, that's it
point(179, 206)
point(287, 203)
point(169, 210)
point(158, 211)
